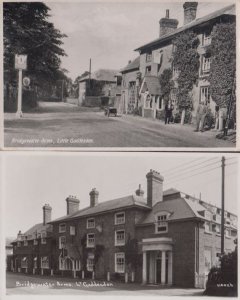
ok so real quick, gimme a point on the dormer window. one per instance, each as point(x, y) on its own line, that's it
point(161, 222)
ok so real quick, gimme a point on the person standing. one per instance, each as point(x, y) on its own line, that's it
point(168, 112)
point(201, 114)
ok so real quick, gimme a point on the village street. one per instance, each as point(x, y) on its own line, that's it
point(56, 124)
point(20, 284)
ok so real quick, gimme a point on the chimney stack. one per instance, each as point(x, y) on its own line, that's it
point(72, 205)
point(154, 188)
point(139, 191)
point(190, 11)
point(167, 25)
point(47, 214)
point(93, 197)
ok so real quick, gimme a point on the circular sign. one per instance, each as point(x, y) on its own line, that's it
point(26, 81)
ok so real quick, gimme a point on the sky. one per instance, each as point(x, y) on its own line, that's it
point(108, 32)
point(31, 180)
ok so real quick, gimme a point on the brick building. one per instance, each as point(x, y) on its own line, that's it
point(156, 56)
point(166, 238)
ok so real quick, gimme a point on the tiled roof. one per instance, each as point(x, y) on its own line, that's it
point(152, 84)
point(134, 65)
point(229, 10)
point(119, 203)
point(37, 228)
point(102, 75)
point(179, 209)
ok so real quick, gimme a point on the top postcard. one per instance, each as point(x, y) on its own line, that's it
point(126, 75)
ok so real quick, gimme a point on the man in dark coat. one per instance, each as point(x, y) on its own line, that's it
point(168, 112)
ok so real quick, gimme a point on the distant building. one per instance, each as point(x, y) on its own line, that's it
point(156, 56)
point(97, 88)
point(167, 238)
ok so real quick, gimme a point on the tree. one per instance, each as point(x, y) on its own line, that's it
point(223, 64)
point(27, 31)
point(166, 83)
point(132, 257)
point(186, 61)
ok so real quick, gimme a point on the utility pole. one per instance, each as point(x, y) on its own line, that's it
point(90, 68)
point(222, 216)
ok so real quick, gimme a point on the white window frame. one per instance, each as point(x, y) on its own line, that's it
point(25, 243)
point(148, 70)
point(61, 230)
point(117, 241)
point(175, 71)
point(35, 242)
point(120, 266)
point(122, 219)
point(228, 232)
point(44, 262)
point(90, 240)
point(148, 57)
point(72, 230)
point(60, 243)
point(207, 227)
point(161, 222)
point(204, 94)
point(90, 262)
point(18, 244)
point(90, 223)
point(206, 63)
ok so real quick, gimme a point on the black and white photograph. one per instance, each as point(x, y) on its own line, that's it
point(119, 75)
point(146, 224)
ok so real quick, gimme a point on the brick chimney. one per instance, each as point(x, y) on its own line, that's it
point(154, 188)
point(47, 214)
point(190, 11)
point(139, 191)
point(72, 205)
point(167, 25)
point(93, 197)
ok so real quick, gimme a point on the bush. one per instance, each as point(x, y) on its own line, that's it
point(209, 120)
point(160, 115)
point(222, 281)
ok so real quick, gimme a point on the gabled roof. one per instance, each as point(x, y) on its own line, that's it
point(179, 209)
point(134, 65)
point(128, 201)
point(102, 75)
point(152, 84)
point(228, 10)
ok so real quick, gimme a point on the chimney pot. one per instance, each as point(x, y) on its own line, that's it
point(167, 25)
point(72, 205)
point(154, 187)
point(190, 11)
point(139, 191)
point(167, 13)
point(47, 214)
point(94, 197)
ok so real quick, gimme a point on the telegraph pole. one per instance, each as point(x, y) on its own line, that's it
point(222, 216)
point(90, 68)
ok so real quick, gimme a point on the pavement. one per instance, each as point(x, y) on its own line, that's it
point(67, 125)
point(22, 284)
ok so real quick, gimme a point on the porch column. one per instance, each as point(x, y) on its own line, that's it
point(170, 267)
point(144, 268)
point(163, 268)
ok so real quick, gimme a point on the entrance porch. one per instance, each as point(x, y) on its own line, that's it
point(157, 261)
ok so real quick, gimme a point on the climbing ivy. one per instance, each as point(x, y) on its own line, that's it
point(132, 258)
point(223, 64)
point(186, 60)
point(166, 84)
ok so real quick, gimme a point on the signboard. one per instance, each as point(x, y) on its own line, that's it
point(26, 81)
point(20, 62)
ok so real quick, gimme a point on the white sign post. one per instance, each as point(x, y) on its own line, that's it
point(20, 64)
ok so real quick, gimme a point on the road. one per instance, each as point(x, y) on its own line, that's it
point(66, 125)
point(21, 284)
